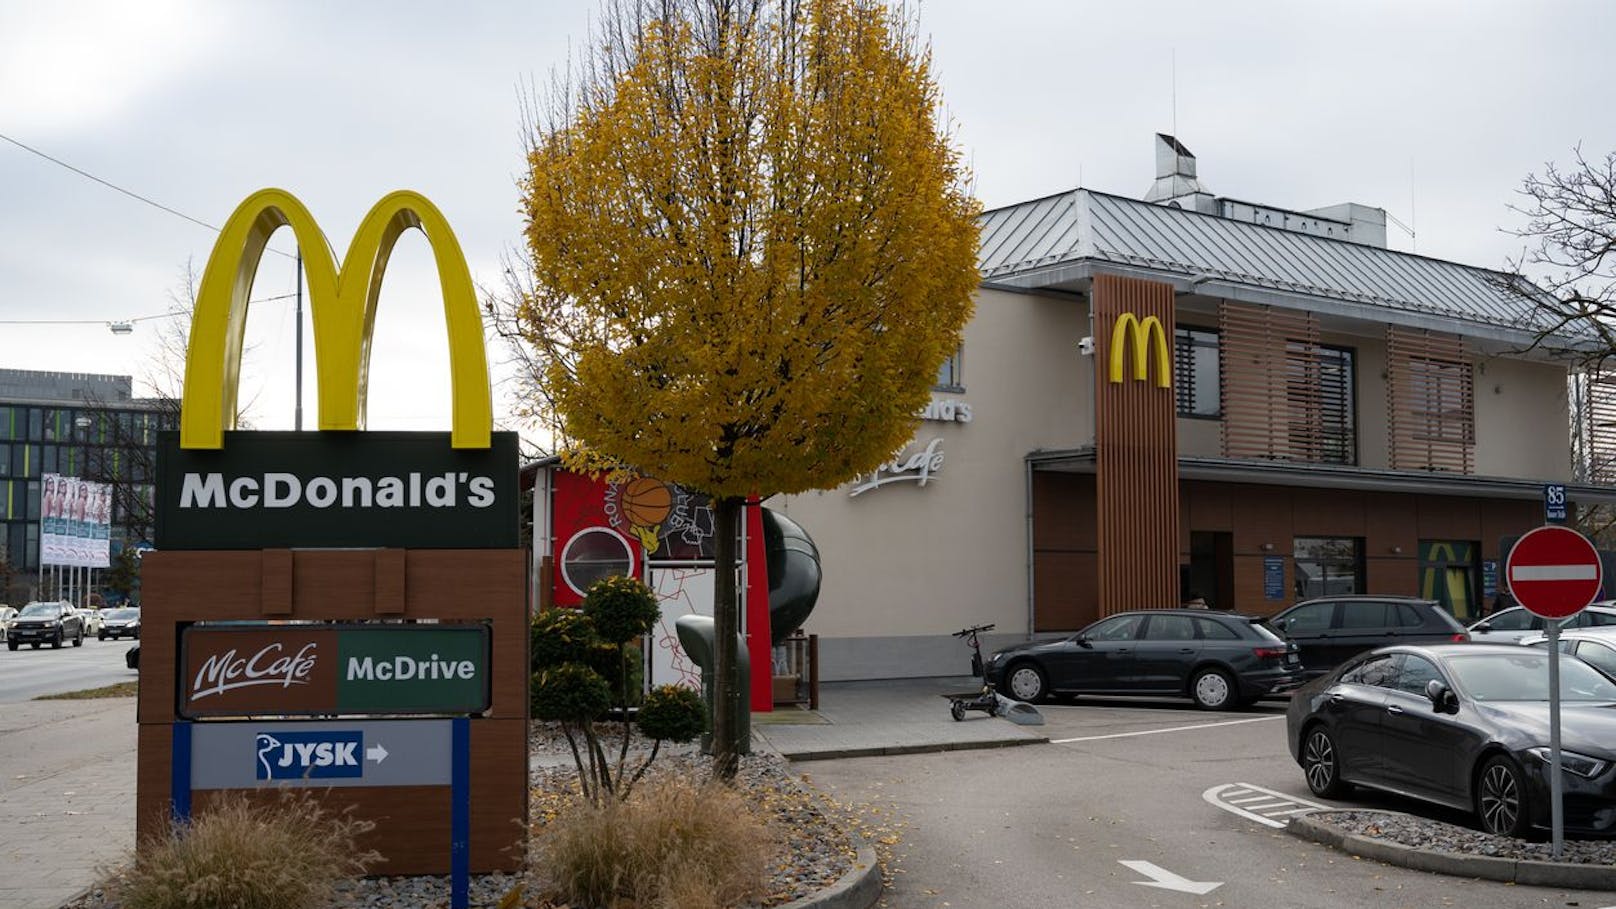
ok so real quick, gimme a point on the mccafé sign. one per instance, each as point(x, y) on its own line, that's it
point(309, 669)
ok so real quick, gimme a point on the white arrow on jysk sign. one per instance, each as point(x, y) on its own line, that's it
point(1167, 880)
point(376, 753)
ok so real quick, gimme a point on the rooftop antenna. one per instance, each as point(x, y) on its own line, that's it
point(1174, 78)
point(1413, 237)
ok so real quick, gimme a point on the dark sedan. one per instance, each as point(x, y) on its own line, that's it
point(1220, 660)
point(122, 622)
point(1463, 725)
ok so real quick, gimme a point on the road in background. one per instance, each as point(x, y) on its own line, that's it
point(27, 673)
point(1114, 803)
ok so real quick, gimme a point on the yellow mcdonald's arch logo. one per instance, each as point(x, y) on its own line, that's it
point(343, 306)
point(1146, 335)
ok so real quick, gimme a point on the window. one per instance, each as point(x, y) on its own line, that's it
point(1516, 619)
point(1121, 628)
point(951, 375)
point(1328, 566)
point(1598, 655)
point(1213, 630)
point(1367, 615)
point(1310, 618)
point(1588, 617)
point(1379, 672)
point(1195, 372)
point(1170, 628)
point(1337, 414)
point(1441, 393)
point(1416, 672)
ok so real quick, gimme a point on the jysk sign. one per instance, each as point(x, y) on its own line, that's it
point(389, 489)
point(321, 669)
point(248, 755)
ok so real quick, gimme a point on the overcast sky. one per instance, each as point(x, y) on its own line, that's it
point(1433, 110)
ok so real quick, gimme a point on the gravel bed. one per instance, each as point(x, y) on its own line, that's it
point(816, 849)
point(1408, 830)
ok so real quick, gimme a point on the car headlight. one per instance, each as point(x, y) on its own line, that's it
point(996, 659)
point(1572, 762)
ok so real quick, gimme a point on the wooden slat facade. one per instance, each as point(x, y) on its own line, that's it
point(1136, 454)
point(1599, 425)
point(1430, 402)
point(1279, 402)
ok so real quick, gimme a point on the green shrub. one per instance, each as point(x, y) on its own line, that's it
point(673, 712)
point(621, 608)
point(570, 693)
point(286, 855)
point(560, 636)
point(673, 846)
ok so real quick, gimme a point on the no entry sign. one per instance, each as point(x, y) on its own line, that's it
point(1554, 572)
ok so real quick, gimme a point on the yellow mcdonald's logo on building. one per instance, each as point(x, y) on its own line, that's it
point(343, 306)
point(1144, 336)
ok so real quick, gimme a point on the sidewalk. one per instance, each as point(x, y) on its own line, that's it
point(898, 716)
point(67, 796)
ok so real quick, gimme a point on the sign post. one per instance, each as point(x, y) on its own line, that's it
point(1554, 572)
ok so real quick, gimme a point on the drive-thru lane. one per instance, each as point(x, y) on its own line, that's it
point(1115, 815)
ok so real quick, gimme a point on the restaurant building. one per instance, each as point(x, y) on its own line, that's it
point(1186, 392)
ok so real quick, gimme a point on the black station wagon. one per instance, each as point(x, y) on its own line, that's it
point(1221, 660)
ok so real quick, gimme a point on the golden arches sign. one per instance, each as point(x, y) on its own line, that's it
point(343, 306)
point(1146, 336)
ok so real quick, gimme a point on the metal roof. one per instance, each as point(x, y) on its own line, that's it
point(1053, 241)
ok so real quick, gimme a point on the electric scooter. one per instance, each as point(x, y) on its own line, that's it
point(986, 701)
point(989, 701)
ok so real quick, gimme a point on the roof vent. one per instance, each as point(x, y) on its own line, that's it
point(1176, 184)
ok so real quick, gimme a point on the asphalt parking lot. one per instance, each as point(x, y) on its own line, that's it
point(1134, 803)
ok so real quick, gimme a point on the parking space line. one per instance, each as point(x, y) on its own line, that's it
point(1248, 808)
point(1128, 735)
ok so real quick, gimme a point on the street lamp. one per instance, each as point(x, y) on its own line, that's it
point(121, 328)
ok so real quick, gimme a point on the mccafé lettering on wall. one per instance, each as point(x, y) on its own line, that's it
point(295, 669)
point(917, 467)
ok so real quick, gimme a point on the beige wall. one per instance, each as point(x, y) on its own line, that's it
point(902, 559)
point(1523, 420)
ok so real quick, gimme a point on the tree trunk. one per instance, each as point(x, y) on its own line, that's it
point(728, 689)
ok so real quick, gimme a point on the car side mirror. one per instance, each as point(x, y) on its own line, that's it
point(1442, 697)
point(1082, 641)
point(1482, 626)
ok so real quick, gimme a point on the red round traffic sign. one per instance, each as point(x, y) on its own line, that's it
point(1553, 571)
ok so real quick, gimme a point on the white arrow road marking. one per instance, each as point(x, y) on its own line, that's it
point(376, 753)
point(1167, 880)
point(1239, 798)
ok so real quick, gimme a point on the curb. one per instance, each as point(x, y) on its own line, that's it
point(857, 889)
point(933, 748)
point(1514, 871)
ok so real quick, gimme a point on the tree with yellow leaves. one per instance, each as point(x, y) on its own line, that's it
point(752, 247)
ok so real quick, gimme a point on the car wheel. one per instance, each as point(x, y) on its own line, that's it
point(956, 709)
point(1212, 689)
point(1501, 799)
point(56, 643)
point(1321, 764)
point(1026, 682)
point(11, 645)
point(79, 641)
point(100, 635)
